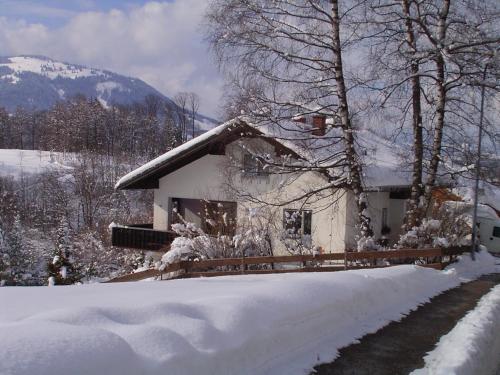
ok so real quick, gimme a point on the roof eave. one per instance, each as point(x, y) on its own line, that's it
point(132, 184)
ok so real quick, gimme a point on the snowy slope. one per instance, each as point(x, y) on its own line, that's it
point(45, 67)
point(15, 163)
point(259, 324)
point(38, 82)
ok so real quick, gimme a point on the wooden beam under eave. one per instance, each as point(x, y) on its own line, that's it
point(217, 148)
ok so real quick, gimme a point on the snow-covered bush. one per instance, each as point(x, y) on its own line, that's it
point(297, 245)
point(451, 226)
point(181, 248)
point(97, 261)
point(193, 243)
point(367, 244)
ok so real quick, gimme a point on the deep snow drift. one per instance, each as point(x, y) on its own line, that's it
point(253, 324)
point(473, 346)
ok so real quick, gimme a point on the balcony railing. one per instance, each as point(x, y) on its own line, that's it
point(141, 236)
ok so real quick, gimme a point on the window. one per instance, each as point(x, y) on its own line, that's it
point(253, 166)
point(176, 212)
point(384, 217)
point(307, 219)
point(297, 222)
point(496, 232)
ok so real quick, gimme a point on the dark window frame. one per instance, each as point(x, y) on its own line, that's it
point(301, 227)
point(253, 167)
point(496, 232)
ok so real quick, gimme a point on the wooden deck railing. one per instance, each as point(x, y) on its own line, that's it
point(437, 258)
point(141, 236)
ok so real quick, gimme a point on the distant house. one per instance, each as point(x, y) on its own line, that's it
point(216, 182)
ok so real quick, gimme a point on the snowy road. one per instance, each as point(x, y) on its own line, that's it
point(466, 348)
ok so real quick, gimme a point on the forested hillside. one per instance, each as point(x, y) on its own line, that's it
point(56, 214)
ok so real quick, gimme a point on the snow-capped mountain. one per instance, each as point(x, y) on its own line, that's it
point(38, 82)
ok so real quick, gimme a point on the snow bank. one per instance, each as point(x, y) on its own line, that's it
point(253, 324)
point(473, 346)
point(467, 269)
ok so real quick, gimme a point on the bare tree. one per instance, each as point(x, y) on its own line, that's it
point(182, 102)
point(285, 58)
point(194, 106)
point(187, 104)
point(428, 57)
point(459, 37)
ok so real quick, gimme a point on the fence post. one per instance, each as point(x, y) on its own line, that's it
point(183, 267)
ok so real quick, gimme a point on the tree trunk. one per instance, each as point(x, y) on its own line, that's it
point(348, 134)
point(440, 106)
point(438, 132)
point(412, 213)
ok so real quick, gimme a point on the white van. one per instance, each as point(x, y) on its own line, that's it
point(489, 233)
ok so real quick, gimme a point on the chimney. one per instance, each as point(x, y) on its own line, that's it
point(319, 125)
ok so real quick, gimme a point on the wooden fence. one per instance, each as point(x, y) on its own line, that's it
point(437, 258)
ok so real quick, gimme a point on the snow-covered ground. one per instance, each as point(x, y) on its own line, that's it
point(473, 346)
point(253, 324)
point(15, 163)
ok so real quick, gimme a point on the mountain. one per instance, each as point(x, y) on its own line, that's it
point(38, 82)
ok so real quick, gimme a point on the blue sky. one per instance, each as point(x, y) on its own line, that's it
point(157, 41)
point(57, 12)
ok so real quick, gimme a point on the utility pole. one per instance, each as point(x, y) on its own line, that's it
point(478, 162)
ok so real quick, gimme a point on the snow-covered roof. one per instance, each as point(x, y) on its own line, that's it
point(189, 147)
point(381, 159)
point(382, 168)
point(489, 195)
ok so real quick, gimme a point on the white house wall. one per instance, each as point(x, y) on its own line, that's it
point(210, 177)
point(201, 179)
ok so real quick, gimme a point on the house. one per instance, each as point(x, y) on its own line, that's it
point(218, 182)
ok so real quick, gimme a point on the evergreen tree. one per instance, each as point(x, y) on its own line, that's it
point(4, 257)
point(62, 270)
point(21, 257)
